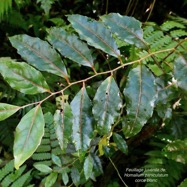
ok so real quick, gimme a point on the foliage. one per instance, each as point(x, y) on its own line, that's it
point(102, 88)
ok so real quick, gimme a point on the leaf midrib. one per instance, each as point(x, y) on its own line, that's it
point(128, 30)
point(78, 52)
point(42, 57)
point(98, 38)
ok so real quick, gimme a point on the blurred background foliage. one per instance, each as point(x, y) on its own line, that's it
point(33, 17)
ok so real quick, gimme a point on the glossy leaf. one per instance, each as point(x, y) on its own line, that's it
point(140, 94)
point(82, 126)
point(39, 54)
point(126, 28)
point(177, 150)
point(42, 167)
point(180, 71)
point(63, 121)
point(95, 33)
point(28, 135)
point(51, 179)
point(120, 143)
point(22, 77)
point(6, 110)
point(97, 165)
point(70, 46)
point(107, 103)
point(88, 167)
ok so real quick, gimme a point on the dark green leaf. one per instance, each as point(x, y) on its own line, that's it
point(6, 110)
point(177, 150)
point(22, 77)
point(95, 33)
point(120, 142)
point(82, 126)
point(140, 94)
point(63, 121)
point(180, 71)
point(88, 167)
point(51, 179)
point(42, 167)
point(97, 165)
point(126, 28)
point(28, 135)
point(107, 103)
point(39, 54)
point(75, 175)
point(70, 46)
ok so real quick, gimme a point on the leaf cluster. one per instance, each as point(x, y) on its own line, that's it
point(95, 89)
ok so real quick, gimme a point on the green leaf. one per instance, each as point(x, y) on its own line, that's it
point(65, 177)
point(63, 122)
point(140, 94)
point(75, 176)
point(51, 179)
point(88, 167)
point(70, 46)
point(120, 142)
point(28, 135)
point(56, 160)
point(177, 150)
point(97, 165)
point(183, 183)
point(43, 168)
point(46, 5)
point(107, 103)
point(95, 33)
point(126, 28)
point(39, 54)
point(82, 126)
point(22, 77)
point(6, 110)
point(180, 71)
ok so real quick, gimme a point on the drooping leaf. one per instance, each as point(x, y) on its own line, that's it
point(95, 33)
point(6, 110)
point(180, 71)
point(126, 28)
point(22, 77)
point(88, 167)
point(28, 135)
point(70, 46)
point(56, 160)
point(82, 126)
point(107, 103)
point(75, 176)
point(97, 165)
point(51, 179)
point(120, 142)
point(65, 177)
point(42, 167)
point(140, 94)
point(39, 54)
point(63, 121)
point(176, 150)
